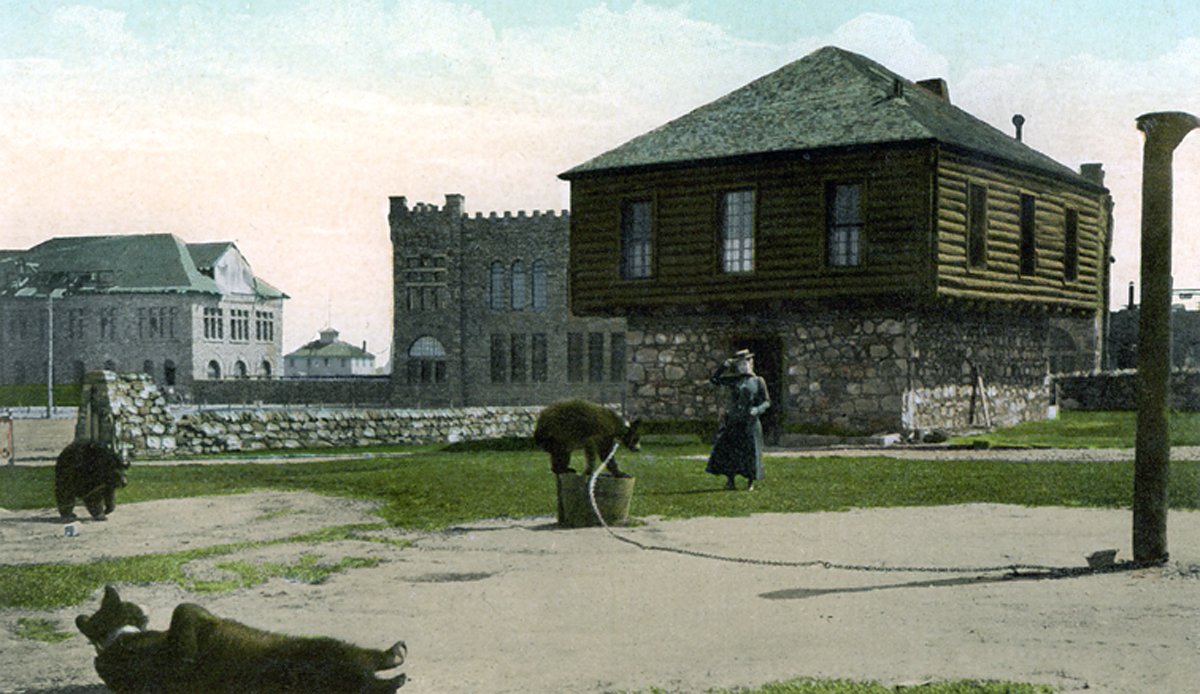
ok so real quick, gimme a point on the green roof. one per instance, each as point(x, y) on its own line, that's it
point(205, 255)
point(317, 348)
point(831, 98)
point(137, 263)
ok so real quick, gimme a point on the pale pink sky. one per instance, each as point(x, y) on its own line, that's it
point(286, 130)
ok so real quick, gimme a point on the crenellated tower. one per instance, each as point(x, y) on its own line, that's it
point(481, 311)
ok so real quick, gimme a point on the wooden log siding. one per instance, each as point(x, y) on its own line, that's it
point(789, 236)
point(1000, 278)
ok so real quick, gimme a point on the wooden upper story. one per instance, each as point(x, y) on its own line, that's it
point(879, 190)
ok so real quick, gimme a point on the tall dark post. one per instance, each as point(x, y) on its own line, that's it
point(1163, 131)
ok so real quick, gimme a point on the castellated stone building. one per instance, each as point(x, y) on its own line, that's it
point(481, 312)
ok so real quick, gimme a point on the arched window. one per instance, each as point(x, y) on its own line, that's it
point(214, 370)
point(240, 369)
point(426, 361)
point(539, 285)
point(169, 372)
point(496, 287)
point(265, 369)
point(518, 285)
point(148, 368)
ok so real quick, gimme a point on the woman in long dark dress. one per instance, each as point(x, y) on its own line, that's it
point(737, 449)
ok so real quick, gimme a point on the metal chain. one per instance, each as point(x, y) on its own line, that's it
point(1014, 569)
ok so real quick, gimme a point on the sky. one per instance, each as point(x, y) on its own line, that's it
point(285, 126)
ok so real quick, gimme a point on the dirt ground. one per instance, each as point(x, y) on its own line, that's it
point(518, 605)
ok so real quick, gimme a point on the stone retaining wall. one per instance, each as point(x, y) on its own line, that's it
point(128, 410)
point(1117, 390)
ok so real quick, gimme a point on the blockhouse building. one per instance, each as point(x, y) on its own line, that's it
point(894, 262)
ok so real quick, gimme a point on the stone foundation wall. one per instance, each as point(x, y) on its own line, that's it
point(1006, 352)
point(128, 410)
point(868, 371)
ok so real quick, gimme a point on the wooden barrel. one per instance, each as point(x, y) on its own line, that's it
point(613, 495)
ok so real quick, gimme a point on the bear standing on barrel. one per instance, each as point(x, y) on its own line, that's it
point(564, 426)
point(90, 471)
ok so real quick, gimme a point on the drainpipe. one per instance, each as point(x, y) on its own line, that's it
point(1163, 133)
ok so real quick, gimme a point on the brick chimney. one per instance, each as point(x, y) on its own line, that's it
point(936, 86)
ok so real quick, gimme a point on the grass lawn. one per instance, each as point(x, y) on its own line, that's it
point(1075, 429)
point(34, 395)
point(805, 685)
point(431, 489)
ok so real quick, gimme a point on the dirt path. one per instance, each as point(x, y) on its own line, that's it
point(520, 606)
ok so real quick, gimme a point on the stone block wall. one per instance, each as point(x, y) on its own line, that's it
point(353, 392)
point(128, 410)
point(863, 370)
point(1117, 390)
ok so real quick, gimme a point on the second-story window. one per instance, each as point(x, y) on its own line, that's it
point(239, 325)
point(214, 325)
point(1071, 246)
point(538, 285)
point(636, 251)
point(75, 323)
point(843, 247)
point(518, 285)
point(496, 287)
point(737, 231)
point(108, 324)
point(977, 222)
point(264, 326)
point(1028, 235)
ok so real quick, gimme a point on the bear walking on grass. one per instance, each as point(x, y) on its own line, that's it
point(89, 471)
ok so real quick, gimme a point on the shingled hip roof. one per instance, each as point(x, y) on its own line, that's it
point(117, 264)
point(158, 263)
point(831, 98)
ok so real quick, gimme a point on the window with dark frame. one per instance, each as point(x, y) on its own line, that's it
point(595, 357)
point(977, 224)
point(516, 358)
point(574, 357)
point(426, 361)
point(636, 249)
point(1071, 246)
point(538, 285)
point(616, 357)
point(496, 286)
point(1028, 235)
point(499, 358)
point(737, 231)
point(844, 239)
point(539, 368)
point(517, 282)
point(108, 323)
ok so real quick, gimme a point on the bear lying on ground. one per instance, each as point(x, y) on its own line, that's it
point(204, 654)
point(569, 424)
point(90, 471)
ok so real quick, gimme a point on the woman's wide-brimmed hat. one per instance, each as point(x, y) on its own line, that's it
point(742, 354)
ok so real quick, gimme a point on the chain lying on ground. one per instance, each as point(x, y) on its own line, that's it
point(1015, 569)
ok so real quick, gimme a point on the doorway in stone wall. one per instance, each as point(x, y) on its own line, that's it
point(768, 363)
